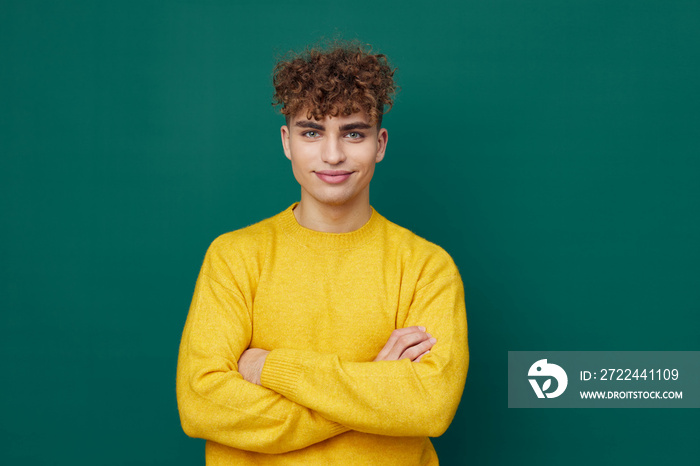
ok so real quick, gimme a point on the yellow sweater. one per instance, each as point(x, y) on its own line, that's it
point(324, 304)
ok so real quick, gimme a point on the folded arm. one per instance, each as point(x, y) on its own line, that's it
point(399, 397)
point(410, 343)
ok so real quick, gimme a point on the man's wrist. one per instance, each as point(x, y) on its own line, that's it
point(281, 371)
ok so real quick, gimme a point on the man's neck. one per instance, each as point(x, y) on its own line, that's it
point(344, 218)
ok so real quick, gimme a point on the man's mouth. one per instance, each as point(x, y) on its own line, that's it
point(333, 176)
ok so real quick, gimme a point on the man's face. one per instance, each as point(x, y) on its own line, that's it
point(333, 159)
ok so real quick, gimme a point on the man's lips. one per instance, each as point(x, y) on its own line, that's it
point(333, 176)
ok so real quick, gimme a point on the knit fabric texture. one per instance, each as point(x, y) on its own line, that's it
point(324, 304)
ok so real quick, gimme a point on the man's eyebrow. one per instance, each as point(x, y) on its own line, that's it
point(309, 124)
point(358, 125)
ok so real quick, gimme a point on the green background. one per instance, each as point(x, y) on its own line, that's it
point(552, 147)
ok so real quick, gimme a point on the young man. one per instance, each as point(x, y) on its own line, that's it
point(325, 334)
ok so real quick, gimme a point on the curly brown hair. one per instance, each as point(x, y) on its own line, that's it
point(339, 78)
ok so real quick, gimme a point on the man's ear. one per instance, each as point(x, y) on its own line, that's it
point(284, 133)
point(382, 140)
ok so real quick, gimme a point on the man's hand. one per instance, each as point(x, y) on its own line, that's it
point(406, 343)
point(251, 363)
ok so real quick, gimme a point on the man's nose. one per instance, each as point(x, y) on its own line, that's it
point(333, 152)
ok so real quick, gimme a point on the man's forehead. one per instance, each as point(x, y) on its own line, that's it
point(302, 117)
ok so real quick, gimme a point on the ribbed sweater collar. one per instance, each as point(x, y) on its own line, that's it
point(328, 241)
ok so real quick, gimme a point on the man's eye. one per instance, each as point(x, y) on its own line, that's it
point(354, 135)
point(311, 134)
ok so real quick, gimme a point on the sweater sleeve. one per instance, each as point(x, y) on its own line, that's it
point(214, 400)
point(398, 398)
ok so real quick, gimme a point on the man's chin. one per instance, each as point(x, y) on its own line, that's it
point(334, 201)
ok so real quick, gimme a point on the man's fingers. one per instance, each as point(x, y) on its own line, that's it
point(401, 332)
point(418, 358)
point(418, 350)
point(403, 339)
point(405, 342)
point(415, 328)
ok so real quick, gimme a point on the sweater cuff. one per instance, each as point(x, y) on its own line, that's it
point(281, 372)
